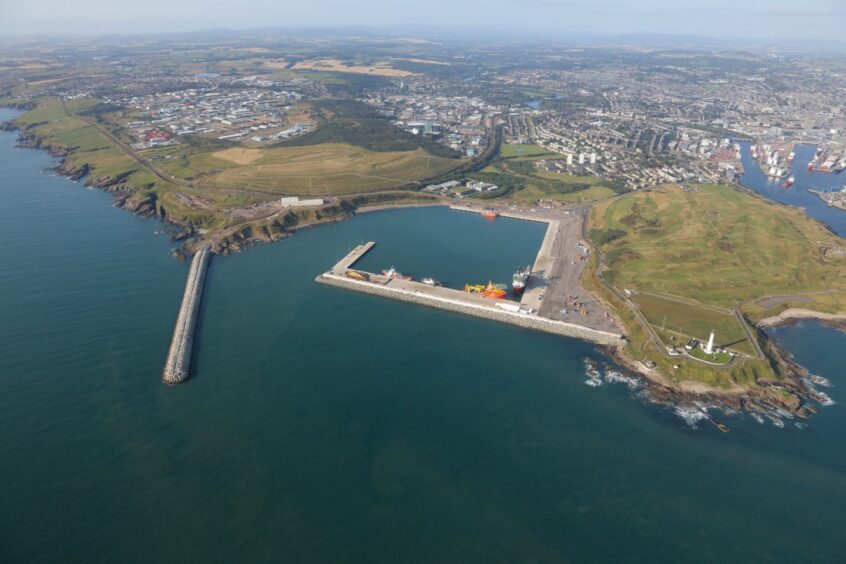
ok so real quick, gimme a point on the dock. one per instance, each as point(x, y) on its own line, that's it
point(178, 364)
point(344, 276)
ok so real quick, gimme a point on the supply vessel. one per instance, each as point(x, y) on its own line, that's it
point(392, 273)
point(519, 281)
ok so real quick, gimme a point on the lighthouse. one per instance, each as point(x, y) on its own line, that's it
point(710, 348)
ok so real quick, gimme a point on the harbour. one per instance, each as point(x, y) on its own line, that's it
point(553, 283)
point(797, 194)
point(308, 405)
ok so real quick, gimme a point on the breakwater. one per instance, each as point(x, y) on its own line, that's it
point(178, 365)
point(464, 305)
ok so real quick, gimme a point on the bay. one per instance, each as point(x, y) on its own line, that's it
point(328, 426)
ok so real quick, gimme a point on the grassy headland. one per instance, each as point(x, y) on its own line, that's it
point(676, 264)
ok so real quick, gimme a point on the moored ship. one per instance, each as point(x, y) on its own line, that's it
point(430, 281)
point(789, 182)
point(496, 291)
point(519, 281)
point(392, 273)
point(490, 214)
point(490, 291)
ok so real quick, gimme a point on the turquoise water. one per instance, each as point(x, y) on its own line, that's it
point(328, 426)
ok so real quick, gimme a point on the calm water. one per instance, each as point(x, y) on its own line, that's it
point(798, 195)
point(329, 426)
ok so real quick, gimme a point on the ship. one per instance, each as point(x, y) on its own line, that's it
point(789, 182)
point(392, 273)
point(496, 291)
point(810, 166)
point(519, 281)
point(430, 281)
point(490, 291)
point(490, 214)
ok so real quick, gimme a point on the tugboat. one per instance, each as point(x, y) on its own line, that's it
point(431, 281)
point(789, 182)
point(496, 291)
point(392, 273)
point(519, 281)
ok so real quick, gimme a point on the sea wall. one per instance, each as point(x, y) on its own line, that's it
point(178, 364)
point(527, 321)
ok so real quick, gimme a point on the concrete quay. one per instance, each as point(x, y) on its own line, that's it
point(455, 300)
point(178, 364)
point(351, 258)
point(554, 288)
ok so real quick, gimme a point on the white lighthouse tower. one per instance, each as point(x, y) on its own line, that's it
point(710, 348)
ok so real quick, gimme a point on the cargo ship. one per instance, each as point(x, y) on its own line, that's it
point(519, 281)
point(789, 182)
point(392, 273)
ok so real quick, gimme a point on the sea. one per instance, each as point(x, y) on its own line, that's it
point(322, 425)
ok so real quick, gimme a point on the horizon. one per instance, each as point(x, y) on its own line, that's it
point(776, 21)
point(650, 40)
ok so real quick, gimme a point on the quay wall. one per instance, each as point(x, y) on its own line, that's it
point(178, 364)
point(496, 314)
point(504, 213)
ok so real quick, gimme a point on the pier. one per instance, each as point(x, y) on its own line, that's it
point(343, 276)
point(178, 365)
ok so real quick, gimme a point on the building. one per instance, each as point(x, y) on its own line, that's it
point(295, 202)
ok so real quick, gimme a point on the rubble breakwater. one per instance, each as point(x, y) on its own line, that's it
point(178, 365)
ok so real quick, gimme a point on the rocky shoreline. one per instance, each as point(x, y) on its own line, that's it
point(796, 395)
point(145, 204)
point(124, 196)
point(796, 390)
point(798, 314)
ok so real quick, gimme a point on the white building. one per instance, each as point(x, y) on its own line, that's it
point(295, 202)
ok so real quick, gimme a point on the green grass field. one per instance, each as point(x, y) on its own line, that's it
point(694, 321)
point(585, 196)
point(517, 174)
point(715, 358)
point(705, 251)
point(716, 245)
point(330, 169)
point(526, 152)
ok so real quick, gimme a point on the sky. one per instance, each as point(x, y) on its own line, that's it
point(783, 20)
